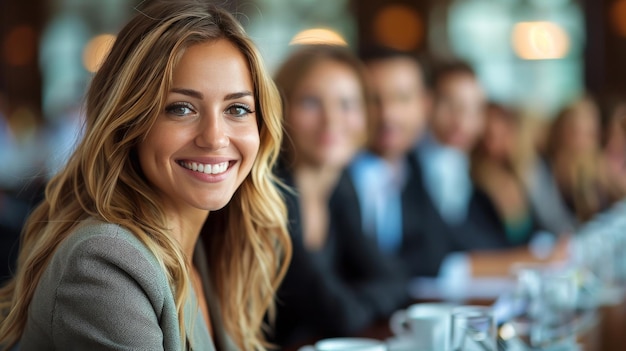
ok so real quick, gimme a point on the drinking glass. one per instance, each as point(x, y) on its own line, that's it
point(350, 344)
point(473, 328)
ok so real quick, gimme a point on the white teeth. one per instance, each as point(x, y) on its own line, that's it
point(206, 168)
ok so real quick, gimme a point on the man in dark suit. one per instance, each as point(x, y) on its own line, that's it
point(400, 109)
point(419, 202)
point(457, 216)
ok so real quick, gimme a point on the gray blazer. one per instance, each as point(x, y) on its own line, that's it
point(104, 290)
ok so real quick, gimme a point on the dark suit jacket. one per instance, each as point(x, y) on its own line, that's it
point(427, 238)
point(338, 290)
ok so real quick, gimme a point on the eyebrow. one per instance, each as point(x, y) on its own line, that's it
point(198, 95)
point(188, 92)
point(239, 95)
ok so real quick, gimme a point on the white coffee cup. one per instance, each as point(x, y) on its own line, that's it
point(427, 324)
point(350, 344)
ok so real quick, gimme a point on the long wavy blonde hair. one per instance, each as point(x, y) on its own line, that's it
point(248, 242)
point(579, 168)
point(521, 155)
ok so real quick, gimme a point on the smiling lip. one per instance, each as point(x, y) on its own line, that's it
point(207, 169)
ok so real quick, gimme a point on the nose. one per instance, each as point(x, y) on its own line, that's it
point(386, 112)
point(330, 116)
point(212, 133)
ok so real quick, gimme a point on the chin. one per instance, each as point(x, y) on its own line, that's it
point(337, 163)
point(457, 143)
point(213, 205)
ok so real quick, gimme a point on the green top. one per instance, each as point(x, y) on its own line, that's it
point(519, 228)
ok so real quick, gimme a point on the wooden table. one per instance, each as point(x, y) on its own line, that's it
point(613, 327)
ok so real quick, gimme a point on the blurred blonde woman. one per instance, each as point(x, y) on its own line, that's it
point(500, 166)
point(182, 120)
point(576, 161)
point(506, 166)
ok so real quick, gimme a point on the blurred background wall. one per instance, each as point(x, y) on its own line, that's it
point(533, 54)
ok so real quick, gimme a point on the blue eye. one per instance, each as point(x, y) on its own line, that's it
point(238, 110)
point(310, 102)
point(180, 109)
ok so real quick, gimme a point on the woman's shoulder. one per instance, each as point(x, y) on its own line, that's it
point(96, 246)
point(91, 230)
point(103, 286)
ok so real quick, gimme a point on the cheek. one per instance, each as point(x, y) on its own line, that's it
point(152, 150)
point(355, 121)
point(473, 123)
point(153, 161)
point(251, 142)
point(444, 117)
point(416, 112)
point(248, 146)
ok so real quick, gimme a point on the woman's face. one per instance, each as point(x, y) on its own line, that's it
point(203, 144)
point(581, 133)
point(326, 119)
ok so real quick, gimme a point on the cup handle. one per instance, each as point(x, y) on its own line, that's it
point(398, 323)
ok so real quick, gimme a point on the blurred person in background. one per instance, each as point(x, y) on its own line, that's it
point(505, 165)
point(419, 202)
point(500, 164)
point(613, 141)
point(459, 218)
point(337, 283)
point(385, 174)
point(476, 241)
point(182, 121)
point(576, 161)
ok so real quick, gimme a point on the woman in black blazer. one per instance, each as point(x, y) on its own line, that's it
point(338, 283)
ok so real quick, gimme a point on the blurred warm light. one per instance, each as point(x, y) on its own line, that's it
point(540, 41)
point(318, 36)
point(507, 331)
point(618, 17)
point(20, 46)
point(96, 51)
point(399, 27)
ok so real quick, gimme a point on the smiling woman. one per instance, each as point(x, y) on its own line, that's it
point(182, 121)
point(211, 126)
